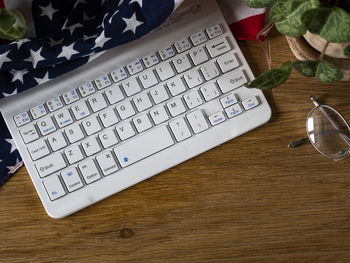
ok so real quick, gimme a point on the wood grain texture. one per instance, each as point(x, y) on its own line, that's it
point(249, 200)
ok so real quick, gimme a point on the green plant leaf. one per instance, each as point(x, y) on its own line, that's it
point(286, 14)
point(258, 3)
point(347, 51)
point(307, 68)
point(272, 78)
point(327, 72)
point(333, 24)
point(12, 25)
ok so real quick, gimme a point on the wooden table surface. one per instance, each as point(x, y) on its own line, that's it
point(249, 200)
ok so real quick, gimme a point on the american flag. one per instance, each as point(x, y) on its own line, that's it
point(69, 33)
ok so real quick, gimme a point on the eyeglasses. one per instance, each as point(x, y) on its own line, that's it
point(327, 130)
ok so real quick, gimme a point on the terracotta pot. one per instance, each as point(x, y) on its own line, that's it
point(302, 50)
point(334, 50)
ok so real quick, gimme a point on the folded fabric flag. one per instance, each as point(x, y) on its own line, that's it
point(66, 34)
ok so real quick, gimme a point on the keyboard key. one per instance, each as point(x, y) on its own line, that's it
point(50, 164)
point(142, 123)
point(125, 130)
point(198, 38)
point(193, 99)
point(228, 62)
point(107, 163)
point(114, 94)
point(250, 103)
point(159, 115)
point(97, 102)
point(38, 149)
point(73, 154)
point(74, 133)
point(38, 111)
point(89, 171)
point(142, 102)
point(125, 110)
point(233, 110)
point(176, 86)
point(71, 179)
point(159, 94)
point(57, 141)
point(119, 74)
point(193, 78)
point(54, 187)
point(182, 63)
point(29, 133)
point(152, 142)
point(70, 96)
point(63, 118)
point(148, 79)
point(108, 139)
point(198, 56)
point(103, 82)
point(134, 67)
point(210, 91)
point(197, 121)
point(86, 89)
point(54, 104)
point(150, 60)
point(210, 71)
point(218, 47)
point(217, 118)
point(165, 71)
point(80, 110)
point(91, 126)
point(176, 107)
point(228, 100)
point(231, 80)
point(108, 117)
point(182, 45)
point(91, 146)
point(166, 52)
point(214, 31)
point(180, 129)
point(131, 86)
point(46, 126)
point(21, 119)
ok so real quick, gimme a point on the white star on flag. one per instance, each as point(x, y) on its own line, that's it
point(54, 42)
point(131, 23)
point(20, 42)
point(101, 40)
point(67, 52)
point(36, 57)
point(72, 27)
point(43, 79)
point(13, 146)
point(137, 1)
point(110, 20)
point(48, 11)
point(121, 1)
point(9, 94)
point(18, 75)
point(4, 58)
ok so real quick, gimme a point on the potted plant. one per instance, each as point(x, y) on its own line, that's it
point(323, 23)
point(12, 25)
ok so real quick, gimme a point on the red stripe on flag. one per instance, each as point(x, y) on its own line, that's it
point(248, 28)
point(2, 4)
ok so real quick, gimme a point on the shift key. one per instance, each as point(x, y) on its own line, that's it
point(50, 164)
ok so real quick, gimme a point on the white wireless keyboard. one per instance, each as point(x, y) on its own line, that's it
point(135, 111)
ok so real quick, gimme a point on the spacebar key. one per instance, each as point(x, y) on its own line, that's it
point(143, 146)
point(50, 164)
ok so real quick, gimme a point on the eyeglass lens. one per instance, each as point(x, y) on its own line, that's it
point(328, 132)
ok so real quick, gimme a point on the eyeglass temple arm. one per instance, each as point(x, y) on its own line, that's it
point(344, 137)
